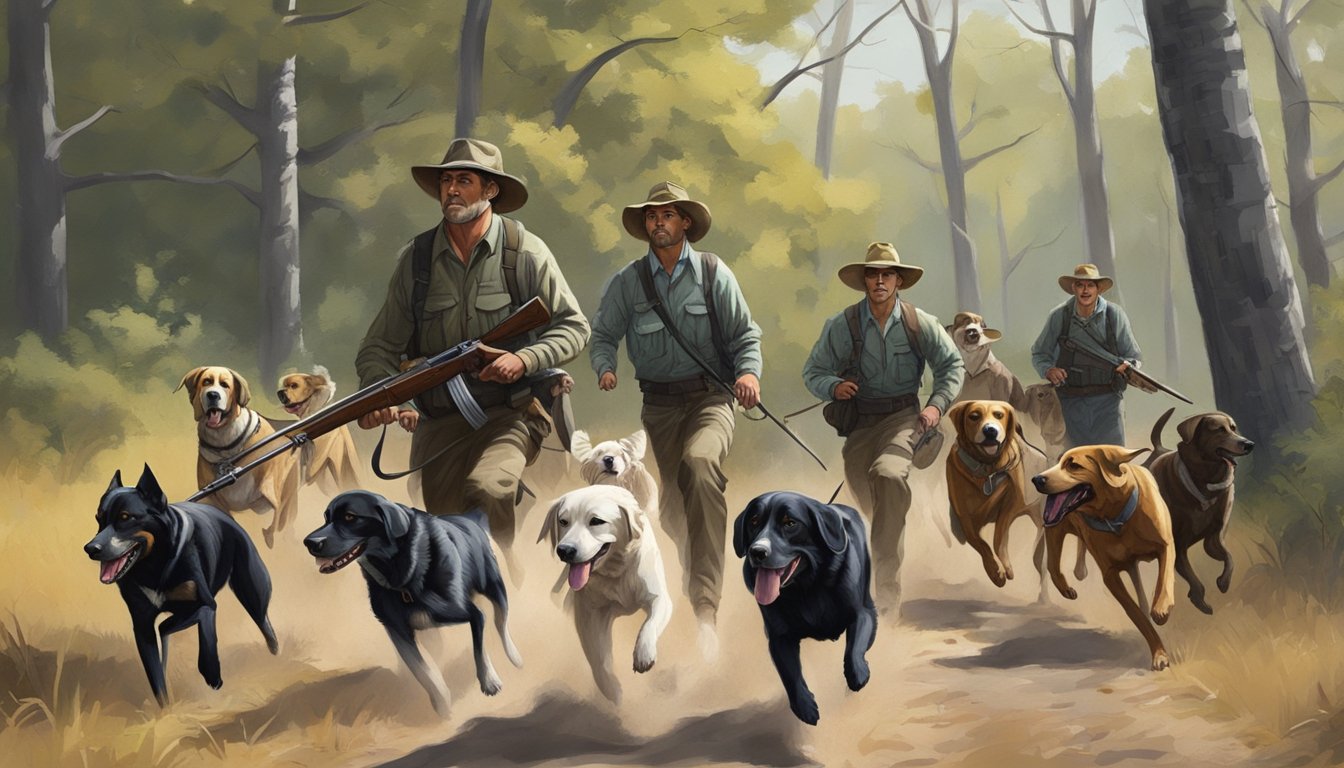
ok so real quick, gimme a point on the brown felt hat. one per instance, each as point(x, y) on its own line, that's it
point(482, 157)
point(668, 193)
point(1086, 272)
point(879, 255)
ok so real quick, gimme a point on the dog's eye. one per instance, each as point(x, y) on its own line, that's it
point(975, 417)
point(124, 516)
point(596, 521)
point(1070, 464)
point(755, 521)
point(564, 523)
point(789, 522)
point(348, 517)
point(998, 414)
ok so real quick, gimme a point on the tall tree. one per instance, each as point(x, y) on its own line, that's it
point(831, 76)
point(1295, 103)
point(471, 65)
point(1244, 287)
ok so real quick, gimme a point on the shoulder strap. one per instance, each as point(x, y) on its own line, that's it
point(422, 253)
point(513, 242)
point(711, 264)
point(910, 319)
point(1110, 332)
point(651, 294)
point(855, 340)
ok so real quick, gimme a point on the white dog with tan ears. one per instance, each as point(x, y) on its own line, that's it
point(617, 462)
point(615, 569)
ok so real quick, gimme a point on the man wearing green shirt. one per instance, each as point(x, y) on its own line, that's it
point(689, 420)
point(881, 374)
point(452, 284)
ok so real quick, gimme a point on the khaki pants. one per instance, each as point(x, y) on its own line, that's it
point(877, 468)
point(482, 468)
point(689, 444)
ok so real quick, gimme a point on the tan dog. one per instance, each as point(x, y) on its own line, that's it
point(1196, 482)
point(330, 460)
point(1095, 493)
point(225, 427)
point(987, 378)
point(989, 473)
point(1044, 411)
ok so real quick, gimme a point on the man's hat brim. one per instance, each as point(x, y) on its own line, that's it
point(512, 190)
point(852, 274)
point(1103, 283)
point(633, 218)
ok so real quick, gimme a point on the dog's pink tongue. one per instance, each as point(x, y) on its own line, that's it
point(325, 564)
point(578, 575)
point(213, 418)
point(108, 573)
point(767, 584)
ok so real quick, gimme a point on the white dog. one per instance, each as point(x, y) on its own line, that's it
point(615, 569)
point(617, 462)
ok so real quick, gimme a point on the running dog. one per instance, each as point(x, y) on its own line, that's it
point(175, 559)
point(330, 460)
point(614, 569)
point(617, 462)
point(421, 572)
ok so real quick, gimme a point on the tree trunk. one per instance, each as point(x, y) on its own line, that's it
point(831, 75)
point(1244, 286)
point(1087, 146)
point(1302, 184)
point(277, 151)
point(1006, 265)
point(471, 65)
point(40, 279)
point(1169, 323)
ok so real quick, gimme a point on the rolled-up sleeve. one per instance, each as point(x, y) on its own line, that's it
point(821, 372)
point(563, 338)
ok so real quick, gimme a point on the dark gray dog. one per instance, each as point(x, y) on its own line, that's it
point(808, 565)
point(175, 558)
point(421, 572)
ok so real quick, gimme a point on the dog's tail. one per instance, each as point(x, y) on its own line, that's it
point(1156, 437)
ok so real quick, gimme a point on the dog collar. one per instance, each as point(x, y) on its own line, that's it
point(225, 465)
point(1205, 501)
point(1114, 524)
point(981, 469)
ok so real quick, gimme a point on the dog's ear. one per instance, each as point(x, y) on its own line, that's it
point(244, 391)
point(548, 526)
point(148, 488)
point(633, 517)
point(396, 520)
point(1111, 461)
point(1189, 428)
point(579, 445)
point(954, 413)
point(636, 444)
point(116, 481)
point(830, 526)
point(189, 381)
point(756, 506)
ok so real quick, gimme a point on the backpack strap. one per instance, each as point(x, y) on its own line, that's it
point(422, 253)
point(513, 243)
point(855, 341)
point(1065, 358)
point(711, 264)
point(910, 319)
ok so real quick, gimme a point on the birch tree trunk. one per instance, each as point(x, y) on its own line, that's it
point(1087, 144)
point(1244, 286)
point(281, 332)
point(831, 75)
point(471, 65)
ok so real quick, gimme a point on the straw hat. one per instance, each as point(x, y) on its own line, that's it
point(479, 156)
point(879, 255)
point(668, 193)
point(1086, 272)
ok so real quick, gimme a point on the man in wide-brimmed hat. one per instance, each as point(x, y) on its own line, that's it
point(870, 359)
point(453, 283)
point(688, 418)
point(1090, 392)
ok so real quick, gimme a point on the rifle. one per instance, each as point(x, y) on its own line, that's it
point(1133, 375)
point(392, 391)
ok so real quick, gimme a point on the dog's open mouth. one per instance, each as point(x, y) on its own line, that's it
point(213, 418)
point(1057, 505)
point(1229, 457)
point(579, 572)
point(990, 447)
point(111, 570)
point(295, 407)
point(334, 564)
point(769, 581)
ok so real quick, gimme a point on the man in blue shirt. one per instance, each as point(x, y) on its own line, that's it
point(1090, 392)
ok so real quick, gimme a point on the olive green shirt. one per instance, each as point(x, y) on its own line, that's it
point(466, 300)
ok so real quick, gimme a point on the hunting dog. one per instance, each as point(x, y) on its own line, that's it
point(330, 459)
point(1114, 506)
point(988, 481)
point(617, 462)
point(986, 377)
point(226, 427)
point(808, 565)
point(421, 572)
point(1196, 482)
point(614, 569)
point(175, 559)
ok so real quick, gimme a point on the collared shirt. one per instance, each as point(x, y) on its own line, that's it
point(888, 366)
point(1087, 331)
point(624, 311)
point(466, 300)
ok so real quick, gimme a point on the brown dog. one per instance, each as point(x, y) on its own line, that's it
point(988, 481)
point(1196, 482)
point(226, 427)
point(329, 460)
point(1043, 410)
point(1095, 493)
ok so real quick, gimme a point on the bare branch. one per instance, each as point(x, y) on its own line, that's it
point(326, 149)
point(946, 61)
point(47, 5)
point(1255, 15)
point(1327, 177)
point(797, 72)
point(970, 121)
point(1334, 239)
point(1292, 23)
point(974, 161)
point(1033, 245)
point(569, 92)
point(1282, 204)
point(1051, 33)
point(1057, 56)
point(226, 101)
point(910, 153)
point(73, 183)
point(54, 148)
point(296, 19)
point(225, 168)
point(309, 204)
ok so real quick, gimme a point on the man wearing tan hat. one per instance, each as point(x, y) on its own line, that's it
point(1090, 392)
point(689, 419)
point(453, 283)
point(873, 355)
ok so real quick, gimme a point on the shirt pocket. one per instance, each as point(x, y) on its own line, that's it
point(648, 337)
point(697, 324)
point(439, 323)
point(903, 361)
point(491, 309)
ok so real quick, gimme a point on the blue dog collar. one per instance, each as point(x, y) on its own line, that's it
point(1114, 524)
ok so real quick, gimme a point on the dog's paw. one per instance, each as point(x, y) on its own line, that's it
point(857, 675)
point(1068, 592)
point(1160, 614)
point(805, 709)
point(645, 658)
point(995, 573)
point(491, 684)
point(269, 536)
point(1224, 582)
point(1197, 599)
point(217, 682)
point(1160, 660)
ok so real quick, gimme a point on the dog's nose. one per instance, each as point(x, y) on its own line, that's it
point(211, 395)
point(608, 461)
point(1039, 482)
point(284, 399)
point(566, 552)
point(991, 431)
point(315, 544)
point(93, 549)
point(759, 551)
point(1248, 445)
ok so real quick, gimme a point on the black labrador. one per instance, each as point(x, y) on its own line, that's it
point(808, 565)
point(175, 558)
point(421, 572)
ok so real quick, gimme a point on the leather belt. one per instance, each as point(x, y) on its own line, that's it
point(1084, 391)
point(881, 406)
point(677, 392)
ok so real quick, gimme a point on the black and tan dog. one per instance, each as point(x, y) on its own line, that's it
point(989, 473)
point(175, 558)
point(1113, 505)
point(225, 428)
point(808, 565)
point(421, 573)
point(1196, 482)
point(329, 460)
